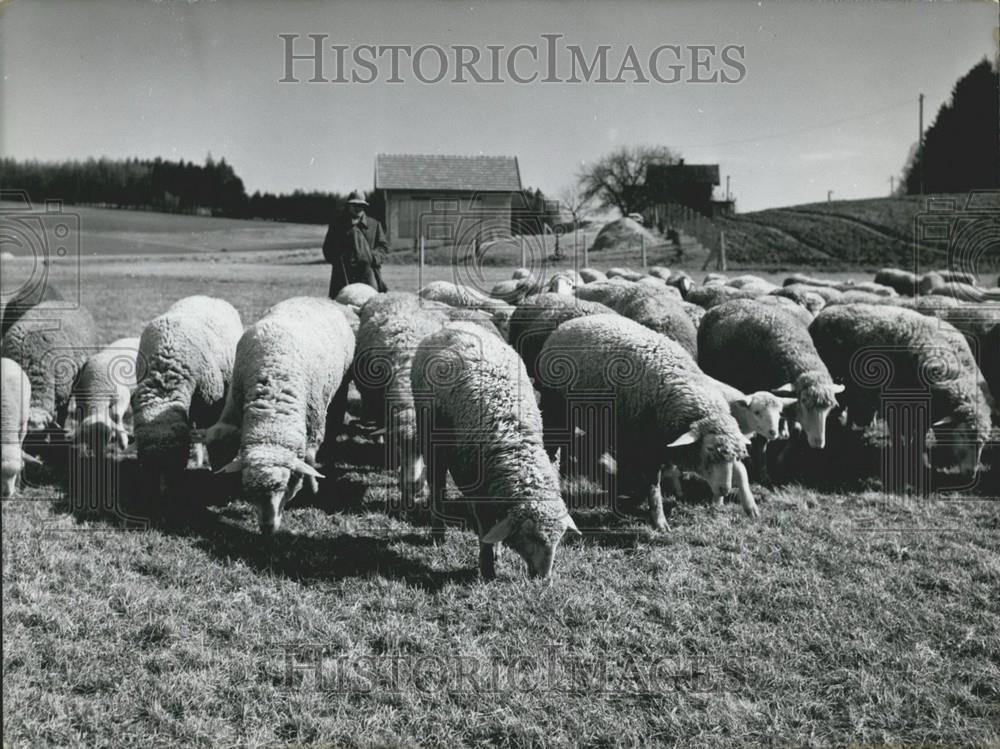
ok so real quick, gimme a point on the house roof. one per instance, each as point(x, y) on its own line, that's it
point(434, 172)
point(683, 173)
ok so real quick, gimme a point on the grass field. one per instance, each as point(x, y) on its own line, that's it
point(841, 618)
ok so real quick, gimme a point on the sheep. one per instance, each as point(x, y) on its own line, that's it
point(801, 278)
point(51, 343)
point(930, 281)
point(660, 271)
point(356, 294)
point(959, 276)
point(800, 311)
point(903, 281)
point(961, 291)
point(188, 352)
point(909, 351)
point(646, 306)
point(535, 319)
point(695, 313)
point(626, 273)
point(16, 397)
point(873, 287)
point(392, 327)
point(463, 296)
point(715, 279)
point(681, 281)
point(754, 346)
point(23, 300)
point(520, 273)
point(662, 400)
point(755, 283)
point(589, 275)
point(474, 387)
point(288, 367)
point(513, 291)
point(102, 396)
point(711, 296)
point(561, 283)
point(826, 293)
point(757, 413)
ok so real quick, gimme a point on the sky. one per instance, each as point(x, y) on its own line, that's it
point(824, 96)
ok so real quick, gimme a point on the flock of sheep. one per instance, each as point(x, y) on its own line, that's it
point(487, 388)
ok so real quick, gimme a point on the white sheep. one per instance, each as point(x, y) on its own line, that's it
point(465, 296)
point(102, 394)
point(479, 422)
point(51, 343)
point(757, 413)
point(755, 346)
point(188, 353)
point(16, 397)
point(662, 400)
point(356, 294)
point(289, 365)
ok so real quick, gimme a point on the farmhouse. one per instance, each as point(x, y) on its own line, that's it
point(687, 185)
point(447, 198)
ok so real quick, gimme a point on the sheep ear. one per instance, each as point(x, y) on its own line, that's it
point(786, 402)
point(500, 531)
point(747, 439)
point(570, 527)
point(300, 466)
point(30, 459)
point(746, 400)
point(946, 421)
point(687, 438)
point(233, 466)
point(788, 389)
point(838, 389)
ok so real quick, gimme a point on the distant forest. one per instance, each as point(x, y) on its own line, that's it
point(185, 187)
point(961, 148)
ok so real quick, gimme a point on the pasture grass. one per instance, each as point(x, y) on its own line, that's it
point(843, 617)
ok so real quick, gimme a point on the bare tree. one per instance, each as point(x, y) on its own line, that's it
point(619, 179)
point(575, 203)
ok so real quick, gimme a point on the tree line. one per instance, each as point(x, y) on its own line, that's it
point(212, 188)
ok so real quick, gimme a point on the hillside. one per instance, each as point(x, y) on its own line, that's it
point(849, 233)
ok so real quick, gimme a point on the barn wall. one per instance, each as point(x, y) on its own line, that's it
point(446, 217)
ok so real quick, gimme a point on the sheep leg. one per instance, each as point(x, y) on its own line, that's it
point(655, 499)
point(487, 561)
point(436, 475)
point(742, 482)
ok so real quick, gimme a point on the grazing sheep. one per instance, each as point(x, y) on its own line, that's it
point(961, 291)
point(790, 305)
point(476, 389)
point(712, 296)
point(188, 352)
point(715, 279)
point(660, 271)
point(753, 346)
point(561, 283)
point(908, 351)
point(694, 312)
point(534, 320)
point(356, 294)
point(662, 400)
point(872, 287)
point(51, 344)
point(681, 281)
point(959, 276)
point(930, 281)
point(288, 367)
point(801, 278)
point(16, 397)
point(102, 396)
point(23, 300)
point(646, 306)
point(514, 291)
point(462, 296)
point(804, 296)
point(392, 327)
point(520, 273)
point(826, 293)
point(754, 283)
point(904, 282)
point(589, 275)
point(758, 413)
point(627, 273)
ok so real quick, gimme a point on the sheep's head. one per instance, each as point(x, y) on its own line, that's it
point(99, 426)
point(761, 412)
point(816, 395)
point(163, 443)
point(719, 444)
point(534, 532)
point(966, 447)
point(272, 476)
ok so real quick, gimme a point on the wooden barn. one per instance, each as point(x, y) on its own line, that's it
point(447, 198)
point(680, 184)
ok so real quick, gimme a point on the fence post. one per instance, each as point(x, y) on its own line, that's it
point(524, 264)
point(586, 263)
point(722, 250)
point(421, 255)
point(642, 249)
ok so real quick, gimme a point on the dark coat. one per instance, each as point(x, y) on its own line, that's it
point(355, 253)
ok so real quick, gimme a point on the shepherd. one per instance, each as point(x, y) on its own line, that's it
point(355, 246)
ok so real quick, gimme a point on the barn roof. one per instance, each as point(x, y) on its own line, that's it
point(436, 172)
point(684, 173)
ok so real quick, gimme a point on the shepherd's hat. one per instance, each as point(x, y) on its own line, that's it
point(357, 198)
